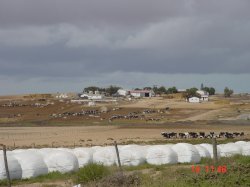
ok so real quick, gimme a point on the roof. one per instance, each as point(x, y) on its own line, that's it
point(141, 91)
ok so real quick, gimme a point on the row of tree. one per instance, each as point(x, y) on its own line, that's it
point(111, 90)
point(191, 92)
point(160, 90)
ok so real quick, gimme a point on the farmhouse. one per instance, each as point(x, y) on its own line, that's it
point(204, 95)
point(204, 98)
point(142, 93)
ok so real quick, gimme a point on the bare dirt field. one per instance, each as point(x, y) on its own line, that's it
point(32, 122)
point(101, 135)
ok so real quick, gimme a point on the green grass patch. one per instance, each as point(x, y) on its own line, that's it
point(91, 172)
point(146, 175)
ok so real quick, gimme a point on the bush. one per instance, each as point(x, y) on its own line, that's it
point(91, 172)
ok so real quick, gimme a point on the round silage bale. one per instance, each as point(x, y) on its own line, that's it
point(161, 154)
point(209, 148)
point(246, 149)
point(61, 161)
point(132, 155)
point(240, 142)
point(15, 169)
point(202, 151)
point(105, 156)
point(186, 153)
point(32, 164)
point(230, 149)
point(84, 155)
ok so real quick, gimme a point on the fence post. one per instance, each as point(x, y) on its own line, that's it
point(215, 155)
point(118, 156)
point(6, 165)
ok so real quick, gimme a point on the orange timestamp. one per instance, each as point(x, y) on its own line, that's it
point(209, 169)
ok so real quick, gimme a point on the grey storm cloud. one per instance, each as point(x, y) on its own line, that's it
point(63, 38)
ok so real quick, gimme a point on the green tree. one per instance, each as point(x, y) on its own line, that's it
point(112, 89)
point(137, 89)
point(210, 90)
point(147, 88)
point(172, 90)
point(228, 92)
point(92, 88)
point(192, 92)
point(162, 90)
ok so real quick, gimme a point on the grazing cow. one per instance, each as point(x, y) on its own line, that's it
point(169, 135)
point(236, 134)
point(193, 134)
point(229, 135)
point(202, 134)
point(242, 134)
point(222, 134)
point(173, 135)
point(182, 135)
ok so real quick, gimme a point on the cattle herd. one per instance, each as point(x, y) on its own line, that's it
point(170, 135)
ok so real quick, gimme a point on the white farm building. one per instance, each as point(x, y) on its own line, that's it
point(122, 92)
point(194, 100)
point(142, 93)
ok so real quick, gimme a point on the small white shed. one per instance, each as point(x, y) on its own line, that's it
point(194, 100)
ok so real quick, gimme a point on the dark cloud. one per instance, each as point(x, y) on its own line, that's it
point(59, 38)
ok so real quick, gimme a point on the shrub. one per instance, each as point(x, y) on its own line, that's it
point(91, 172)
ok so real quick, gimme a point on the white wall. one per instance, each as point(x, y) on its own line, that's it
point(194, 100)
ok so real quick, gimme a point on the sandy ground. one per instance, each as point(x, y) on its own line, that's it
point(98, 135)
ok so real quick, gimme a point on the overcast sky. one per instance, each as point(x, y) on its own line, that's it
point(65, 45)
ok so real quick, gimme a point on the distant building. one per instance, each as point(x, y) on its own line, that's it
point(142, 93)
point(202, 92)
point(194, 100)
point(122, 92)
point(92, 96)
point(204, 95)
point(204, 98)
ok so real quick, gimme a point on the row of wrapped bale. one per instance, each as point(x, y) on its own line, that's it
point(34, 162)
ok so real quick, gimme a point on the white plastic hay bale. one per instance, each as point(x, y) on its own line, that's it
point(245, 148)
point(65, 149)
point(45, 151)
point(230, 149)
point(84, 155)
point(202, 151)
point(95, 148)
point(32, 164)
point(186, 153)
point(15, 169)
point(161, 154)
point(209, 148)
point(61, 161)
point(240, 142)
point(105, 156)
point(132, 155)
point(18, 151)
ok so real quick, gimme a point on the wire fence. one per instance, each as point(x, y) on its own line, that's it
point(129, 158)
